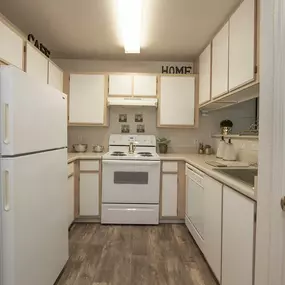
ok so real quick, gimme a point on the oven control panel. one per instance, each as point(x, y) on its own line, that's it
point(124, 140)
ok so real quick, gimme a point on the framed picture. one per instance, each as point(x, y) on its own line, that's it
point(138, 118)
point(123, 118)
point(140, 129)
point(125, 129)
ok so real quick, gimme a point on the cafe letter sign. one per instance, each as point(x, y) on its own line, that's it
point(38, 45)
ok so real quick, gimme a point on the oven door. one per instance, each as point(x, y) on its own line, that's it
point(129, 181)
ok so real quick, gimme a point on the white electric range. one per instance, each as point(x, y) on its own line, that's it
point(130, 181)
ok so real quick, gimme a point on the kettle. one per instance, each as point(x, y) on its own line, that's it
point(229, 152)
point(221, 148)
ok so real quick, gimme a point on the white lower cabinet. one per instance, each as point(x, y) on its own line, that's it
point(70, 200)
point(238, 238)
point(89, 194)
point(213, 191)
point(169, 195)
point(195, 204)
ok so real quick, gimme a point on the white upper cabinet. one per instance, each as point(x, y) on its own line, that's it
point(36, 64)
point(55, 76)
point(220, 62)
point(238, 238)
point(205, 75)
point(177, 101)
point(87, 99)
point(11, 47)
point(121, 84)
point(145, 85)
point(242, 45)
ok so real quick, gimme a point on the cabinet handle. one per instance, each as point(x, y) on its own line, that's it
point(6, 124)
point(282, 203)
point(6, 192)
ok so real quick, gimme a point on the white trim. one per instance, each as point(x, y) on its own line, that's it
point(271, 181)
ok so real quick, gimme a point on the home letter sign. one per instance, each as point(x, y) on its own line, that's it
point(176, 69)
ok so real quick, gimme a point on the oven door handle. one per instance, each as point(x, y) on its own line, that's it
point(130, 162)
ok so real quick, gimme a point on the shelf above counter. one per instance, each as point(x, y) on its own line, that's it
point(236, 136)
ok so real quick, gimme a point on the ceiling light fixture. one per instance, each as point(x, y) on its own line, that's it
point(130, 18)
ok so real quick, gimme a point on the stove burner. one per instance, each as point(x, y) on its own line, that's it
point(145, 154)
point(118, 153)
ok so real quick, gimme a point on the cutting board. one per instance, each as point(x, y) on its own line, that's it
point(223, 163)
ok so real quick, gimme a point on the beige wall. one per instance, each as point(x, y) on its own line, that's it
point(182, 140)
point(75, 65)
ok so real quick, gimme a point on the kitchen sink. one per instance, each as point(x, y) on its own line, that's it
point(245, 175)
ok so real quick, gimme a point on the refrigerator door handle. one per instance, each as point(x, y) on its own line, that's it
point(6, 124)
point(6, 192)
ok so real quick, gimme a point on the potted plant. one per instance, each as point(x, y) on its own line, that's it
point(226, 127)
point(163, 144)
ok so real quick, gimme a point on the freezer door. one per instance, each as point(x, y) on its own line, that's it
point(34, 218)
point(33, 114)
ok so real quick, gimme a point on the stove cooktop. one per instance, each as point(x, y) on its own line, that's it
point(129, 156)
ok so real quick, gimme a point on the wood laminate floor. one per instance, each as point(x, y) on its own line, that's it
point(134, 255)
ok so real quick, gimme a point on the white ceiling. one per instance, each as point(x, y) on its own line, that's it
point(173, 30)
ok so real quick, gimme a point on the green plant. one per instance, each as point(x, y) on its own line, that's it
point(226, 123)
point(163, 141)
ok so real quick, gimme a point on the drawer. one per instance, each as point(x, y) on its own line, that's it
point(130, 214)
point(169, 166)
point(70, 168)
point(87, 165)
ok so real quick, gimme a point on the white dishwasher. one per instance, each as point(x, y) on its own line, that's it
point(194, 217)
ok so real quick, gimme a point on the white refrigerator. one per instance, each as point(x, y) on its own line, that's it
point(33, 180)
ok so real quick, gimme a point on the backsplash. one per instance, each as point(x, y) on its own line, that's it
point(247, 150)
point(182, 140)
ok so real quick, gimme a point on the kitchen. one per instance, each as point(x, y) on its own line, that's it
point(133, 128)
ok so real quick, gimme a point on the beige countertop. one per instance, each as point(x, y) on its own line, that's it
point(196, 160)
point(72, 156)
point(199, 161)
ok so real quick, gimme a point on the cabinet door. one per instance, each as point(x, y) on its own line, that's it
point(70, 200)
point(145, 85)
point(220, 62)
point(238, 238)
point(89, 194)
point(242, 45)
point(205, 75)
point(36, 64)
point(169, 195)
point(55, 76)
point(177, 101)
point(213, 224)
point(11, 47)
point(87, 99)
point(121, 84)
point(195, 205)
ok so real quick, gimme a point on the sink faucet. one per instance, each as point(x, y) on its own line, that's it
point(132, 147)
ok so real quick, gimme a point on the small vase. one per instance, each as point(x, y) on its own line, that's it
point(163, 148)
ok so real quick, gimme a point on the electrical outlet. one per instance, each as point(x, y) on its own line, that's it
point(254, 146)
point(195, 141)
point(242, 146)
